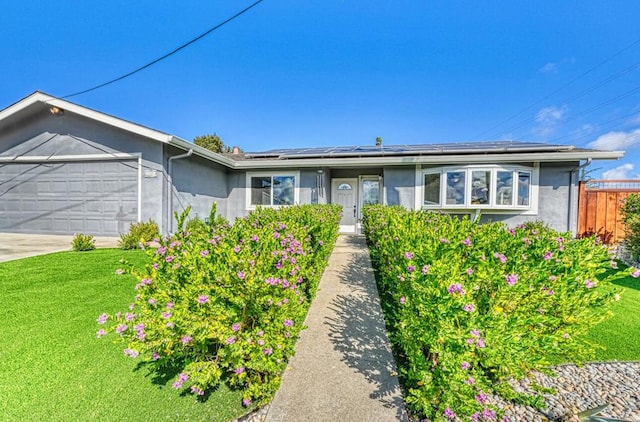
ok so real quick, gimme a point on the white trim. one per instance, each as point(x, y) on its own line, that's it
point(249, 175)
point(80, 157)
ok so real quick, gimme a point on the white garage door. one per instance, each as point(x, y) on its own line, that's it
point(91, 197)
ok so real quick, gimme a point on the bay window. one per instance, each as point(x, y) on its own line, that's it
point(479, 187)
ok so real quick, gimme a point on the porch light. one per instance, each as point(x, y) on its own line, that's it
point(56, 111)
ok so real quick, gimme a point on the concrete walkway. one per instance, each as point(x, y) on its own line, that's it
point(343, 369)
point(19, 245)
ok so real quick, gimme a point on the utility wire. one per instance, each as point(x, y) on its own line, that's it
point(199, 37)
point(571, 82)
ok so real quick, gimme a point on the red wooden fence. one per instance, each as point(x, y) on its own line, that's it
point(599, 204)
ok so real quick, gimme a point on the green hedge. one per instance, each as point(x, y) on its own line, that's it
point(222, 303)
point(471, 306)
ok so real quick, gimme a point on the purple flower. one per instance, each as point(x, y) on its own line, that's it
point(552, 278)
point(239, 370)
point(101, 332)
point(288, 323)
point(235, 327)
point(511, 279)
point(403, 300)
point(268, 351)
point(155, 356)
point(470, 271)
point(475, 333)
point(260, 342)
point(411, 268)
point(121, 328)
point(547, 255)
point(155, 265)
point(566, 335)
point(488, 414)
point(635, 273)
point(169, 258)
point(614, 264)
point(152, 301)
point(480, 343)
point(170, 305)
point(246, 402)
point(241, 275)
point(455, 288)
point(467, 242)
point(183, 377)
point(468, 307)
point(236, 249)
point(448, 413)
point(254, 238)
point(186, 339)
point(203, 299)
point(425, 269)
point(465, 365)
point(408, 255)
point(230, 340)
point(196, 390)
point(129, 316)
point(102, 318)
point(469, 381)
point(481, 398)
point(589, 284)
point(204, 253)
point(170, 324)
point(444, 240)
point(276, 235)
point(166, 315)
point(500, 256)
point(131, 353)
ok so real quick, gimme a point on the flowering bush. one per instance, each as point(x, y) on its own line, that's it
point(225, 303)
point(471, 306)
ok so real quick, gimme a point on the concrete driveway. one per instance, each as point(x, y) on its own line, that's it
point(18, 245)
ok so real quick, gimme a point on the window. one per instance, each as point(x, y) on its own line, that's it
point(479, 187)
point(269, 190)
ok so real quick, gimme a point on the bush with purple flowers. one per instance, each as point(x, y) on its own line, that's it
point(222, 303)
point(491, 304)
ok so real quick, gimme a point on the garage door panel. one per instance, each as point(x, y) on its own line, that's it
point(97, 198)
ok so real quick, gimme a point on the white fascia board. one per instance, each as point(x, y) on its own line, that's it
point(69, 158)
point(202, 152)
point(428, 159)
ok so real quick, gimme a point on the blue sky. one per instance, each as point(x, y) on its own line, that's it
point(342, 72)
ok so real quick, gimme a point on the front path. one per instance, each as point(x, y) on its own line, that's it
point(343, 369)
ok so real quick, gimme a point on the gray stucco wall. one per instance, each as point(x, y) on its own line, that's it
point(555, 195)
point(198, 183)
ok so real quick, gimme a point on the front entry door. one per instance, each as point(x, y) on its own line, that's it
point(345, 193)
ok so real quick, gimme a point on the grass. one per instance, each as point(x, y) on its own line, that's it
point(52, 366)
point(621, 334)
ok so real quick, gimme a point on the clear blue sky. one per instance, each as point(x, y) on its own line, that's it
point(342, 72)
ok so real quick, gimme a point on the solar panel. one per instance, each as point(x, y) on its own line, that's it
point(418, 149)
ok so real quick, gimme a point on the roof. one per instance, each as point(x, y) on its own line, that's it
point(339, 156)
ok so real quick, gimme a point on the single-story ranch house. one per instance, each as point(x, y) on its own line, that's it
point(66, 169)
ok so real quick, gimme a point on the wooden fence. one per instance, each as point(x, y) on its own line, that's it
point(599, 204)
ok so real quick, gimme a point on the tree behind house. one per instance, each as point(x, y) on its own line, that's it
point(212, 143)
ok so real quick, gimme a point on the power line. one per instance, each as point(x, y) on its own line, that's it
point(199, 37)
point(571, 82)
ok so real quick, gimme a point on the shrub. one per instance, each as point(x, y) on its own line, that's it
point(226, 303)
point(472, 306)
point(630, 211)
point(139, 233)
point(83, 242)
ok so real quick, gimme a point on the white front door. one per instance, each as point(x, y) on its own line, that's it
point(345, 193)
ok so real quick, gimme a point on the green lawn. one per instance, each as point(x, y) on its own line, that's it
point(621, 334)
point(52, 366)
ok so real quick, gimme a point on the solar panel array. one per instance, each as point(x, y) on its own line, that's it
point(422, 149)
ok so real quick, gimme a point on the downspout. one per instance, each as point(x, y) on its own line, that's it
point(170, 185)
point(572, 210)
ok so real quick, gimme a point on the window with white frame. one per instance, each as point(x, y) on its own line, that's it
point(479, 187)
point(272, 189)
